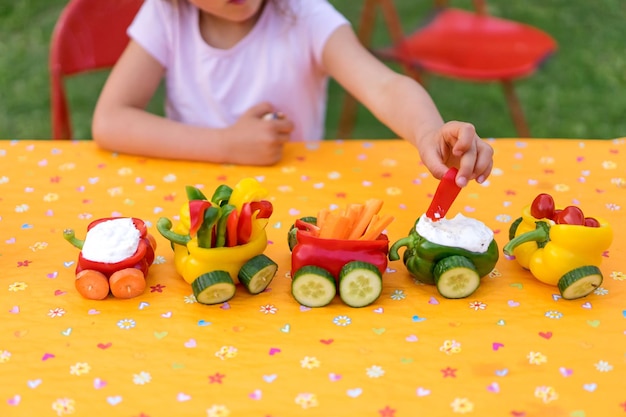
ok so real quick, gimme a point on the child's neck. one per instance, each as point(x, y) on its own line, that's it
point(224, 34)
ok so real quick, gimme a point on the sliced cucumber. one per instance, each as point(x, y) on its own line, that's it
point(257, 273)
point(580, 282)
point(456, 277)
point(292, 238)
point(313, 286)
point(213, 288)
point(360, 284)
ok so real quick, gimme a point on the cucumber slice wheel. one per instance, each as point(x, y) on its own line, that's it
point(313, 286)
point(360, 284)
point(580, 282)
point(213, 288)
point(257, 273)
point(456, 277)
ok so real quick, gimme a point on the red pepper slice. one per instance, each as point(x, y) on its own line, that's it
point(244, 225)
point(444, 196)
point(264, 208)
point(231, 228)
point(196, 214)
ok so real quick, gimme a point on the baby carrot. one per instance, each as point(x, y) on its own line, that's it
point(127, 283)
point(371, 208)
point(377, 226)
point(92, 284)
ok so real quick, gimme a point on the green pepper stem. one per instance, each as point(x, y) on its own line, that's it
point(68, 234)
point(393, 251)
point(541, 235)
point(164, 226)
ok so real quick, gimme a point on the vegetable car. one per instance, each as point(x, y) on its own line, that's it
point(345, 253)
point(115, 257)
point(220, 242)
point(455, 271)
point(560, 247)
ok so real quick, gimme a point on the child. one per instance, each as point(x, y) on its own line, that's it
point(228, 64)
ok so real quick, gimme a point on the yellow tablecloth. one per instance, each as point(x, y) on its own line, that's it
point(514, 348)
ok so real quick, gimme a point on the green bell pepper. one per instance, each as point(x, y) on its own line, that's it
point(421, 256)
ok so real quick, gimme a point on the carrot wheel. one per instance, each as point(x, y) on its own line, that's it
point(127, 283)
point(92, 284)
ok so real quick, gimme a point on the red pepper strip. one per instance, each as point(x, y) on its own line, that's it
point(196, 214)
point(231, 228)
point(139, 224)
point(444, 196)
point(109, 268)
point(302, 225)
point(333, 254)
point(244, 225)
point(264, 208)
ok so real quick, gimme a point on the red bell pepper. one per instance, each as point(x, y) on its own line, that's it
point(249, 212)
point(264, 208)
point(333, 254)
point(141, 259)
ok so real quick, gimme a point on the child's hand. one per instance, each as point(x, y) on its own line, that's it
point(457, 144)
point(256, 139)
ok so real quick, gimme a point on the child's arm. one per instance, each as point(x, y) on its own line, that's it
point(406, 108)
point(122, 124)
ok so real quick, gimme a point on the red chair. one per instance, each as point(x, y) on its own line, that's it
point(89, 35)
point(460, 44)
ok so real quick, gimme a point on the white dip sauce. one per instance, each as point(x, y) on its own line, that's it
point(461, 232)
point(111, 241)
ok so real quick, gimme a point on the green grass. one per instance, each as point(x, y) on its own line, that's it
point(579, 93)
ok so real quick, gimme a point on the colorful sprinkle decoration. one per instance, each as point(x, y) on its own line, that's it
point(513, 348)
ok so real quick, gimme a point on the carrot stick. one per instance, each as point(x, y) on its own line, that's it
point(127, 283)
point(92, 284)
point(335, 227)
point(321, 217)
point(377, 227)
point(329, 225)
point(372, 207)
point(353, 213)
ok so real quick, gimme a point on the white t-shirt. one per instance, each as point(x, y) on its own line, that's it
point(279, 61)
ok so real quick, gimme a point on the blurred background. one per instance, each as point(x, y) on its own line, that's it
point(579, 93)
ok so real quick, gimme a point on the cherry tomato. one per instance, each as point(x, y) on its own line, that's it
point(542, 207)
point(591, 222)
point(570, 215)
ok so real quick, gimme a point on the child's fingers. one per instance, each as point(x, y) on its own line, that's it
point(260, 110)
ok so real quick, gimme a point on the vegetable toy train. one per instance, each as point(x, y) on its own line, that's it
point(219, 242)
point(115, 257)
point(343, 251)
point(560, 247)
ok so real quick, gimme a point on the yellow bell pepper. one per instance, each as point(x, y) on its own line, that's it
point(191, 261)
point(246, 190)
point(552, 250)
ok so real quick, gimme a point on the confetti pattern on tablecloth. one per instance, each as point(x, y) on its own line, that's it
point(513, 348)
